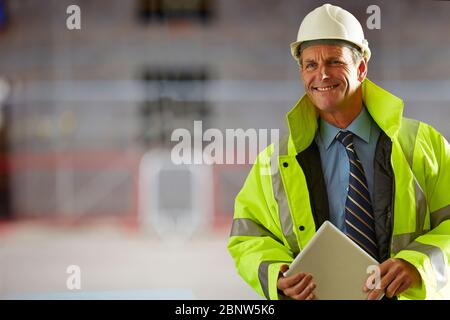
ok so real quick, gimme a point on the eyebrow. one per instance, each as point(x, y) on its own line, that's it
point(310, 60)
point(327, 59)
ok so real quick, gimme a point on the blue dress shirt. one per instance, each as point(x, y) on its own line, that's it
point(335, 163)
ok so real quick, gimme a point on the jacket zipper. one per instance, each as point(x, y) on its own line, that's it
point(391, 216)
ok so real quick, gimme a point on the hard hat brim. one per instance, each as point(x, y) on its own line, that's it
point(295, 47)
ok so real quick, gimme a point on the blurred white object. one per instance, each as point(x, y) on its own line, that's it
point(174, 200)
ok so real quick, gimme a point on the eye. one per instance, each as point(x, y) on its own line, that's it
point(336, 62)
point(310, 65)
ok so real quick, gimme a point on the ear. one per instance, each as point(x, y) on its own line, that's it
point(362, 69)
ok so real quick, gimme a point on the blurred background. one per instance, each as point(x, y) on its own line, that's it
point(86, 118)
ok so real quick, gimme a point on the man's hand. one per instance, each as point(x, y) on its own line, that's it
point(397, 275)
point(299, 286)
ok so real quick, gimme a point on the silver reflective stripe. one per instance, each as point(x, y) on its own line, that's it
point(400, 241)
point(437, 260)
point(421, 206)
point(439, 215)
point(248, 227)
point(280, 196)
point(407, 138)
point(263, 276)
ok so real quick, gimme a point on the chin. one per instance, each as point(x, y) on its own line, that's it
point(326, 106)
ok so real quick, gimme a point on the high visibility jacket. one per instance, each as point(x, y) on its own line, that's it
point(283, 201)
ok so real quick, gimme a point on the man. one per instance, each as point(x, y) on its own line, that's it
point(350, 158)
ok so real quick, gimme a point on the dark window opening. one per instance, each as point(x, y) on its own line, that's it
point(175, 99)
point(175, 10)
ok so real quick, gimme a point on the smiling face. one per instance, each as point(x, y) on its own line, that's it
point(332, 78)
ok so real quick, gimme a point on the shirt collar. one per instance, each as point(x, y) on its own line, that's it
point(360, 126)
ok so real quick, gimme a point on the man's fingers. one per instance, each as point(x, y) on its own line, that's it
point(374, 294)
point(383, 270)
point(393, 272)
point(386, 266)
point(404, 282)
point(291, 281)
point(388, 278)
point(385, 281)
point(397, 276)
point(298, 287)
point(311, 297)
point(405, 285)
point(372, 282)
point(394, 286)
point(284, 268)
point(306, 292)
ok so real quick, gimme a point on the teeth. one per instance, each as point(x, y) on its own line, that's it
point(326, 88)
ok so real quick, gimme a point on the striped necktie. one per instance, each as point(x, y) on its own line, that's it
point(359, 220)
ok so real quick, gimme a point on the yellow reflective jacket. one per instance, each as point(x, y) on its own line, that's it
point(283, 201)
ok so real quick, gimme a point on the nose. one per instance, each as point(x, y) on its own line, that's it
point(323, 71)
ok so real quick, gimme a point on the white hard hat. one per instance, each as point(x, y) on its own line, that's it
point(333, 23)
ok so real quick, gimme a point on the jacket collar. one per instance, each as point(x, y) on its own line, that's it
point(360, 126)
point(385, 108)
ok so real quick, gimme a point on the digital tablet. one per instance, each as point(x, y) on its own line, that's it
point(338, 265)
